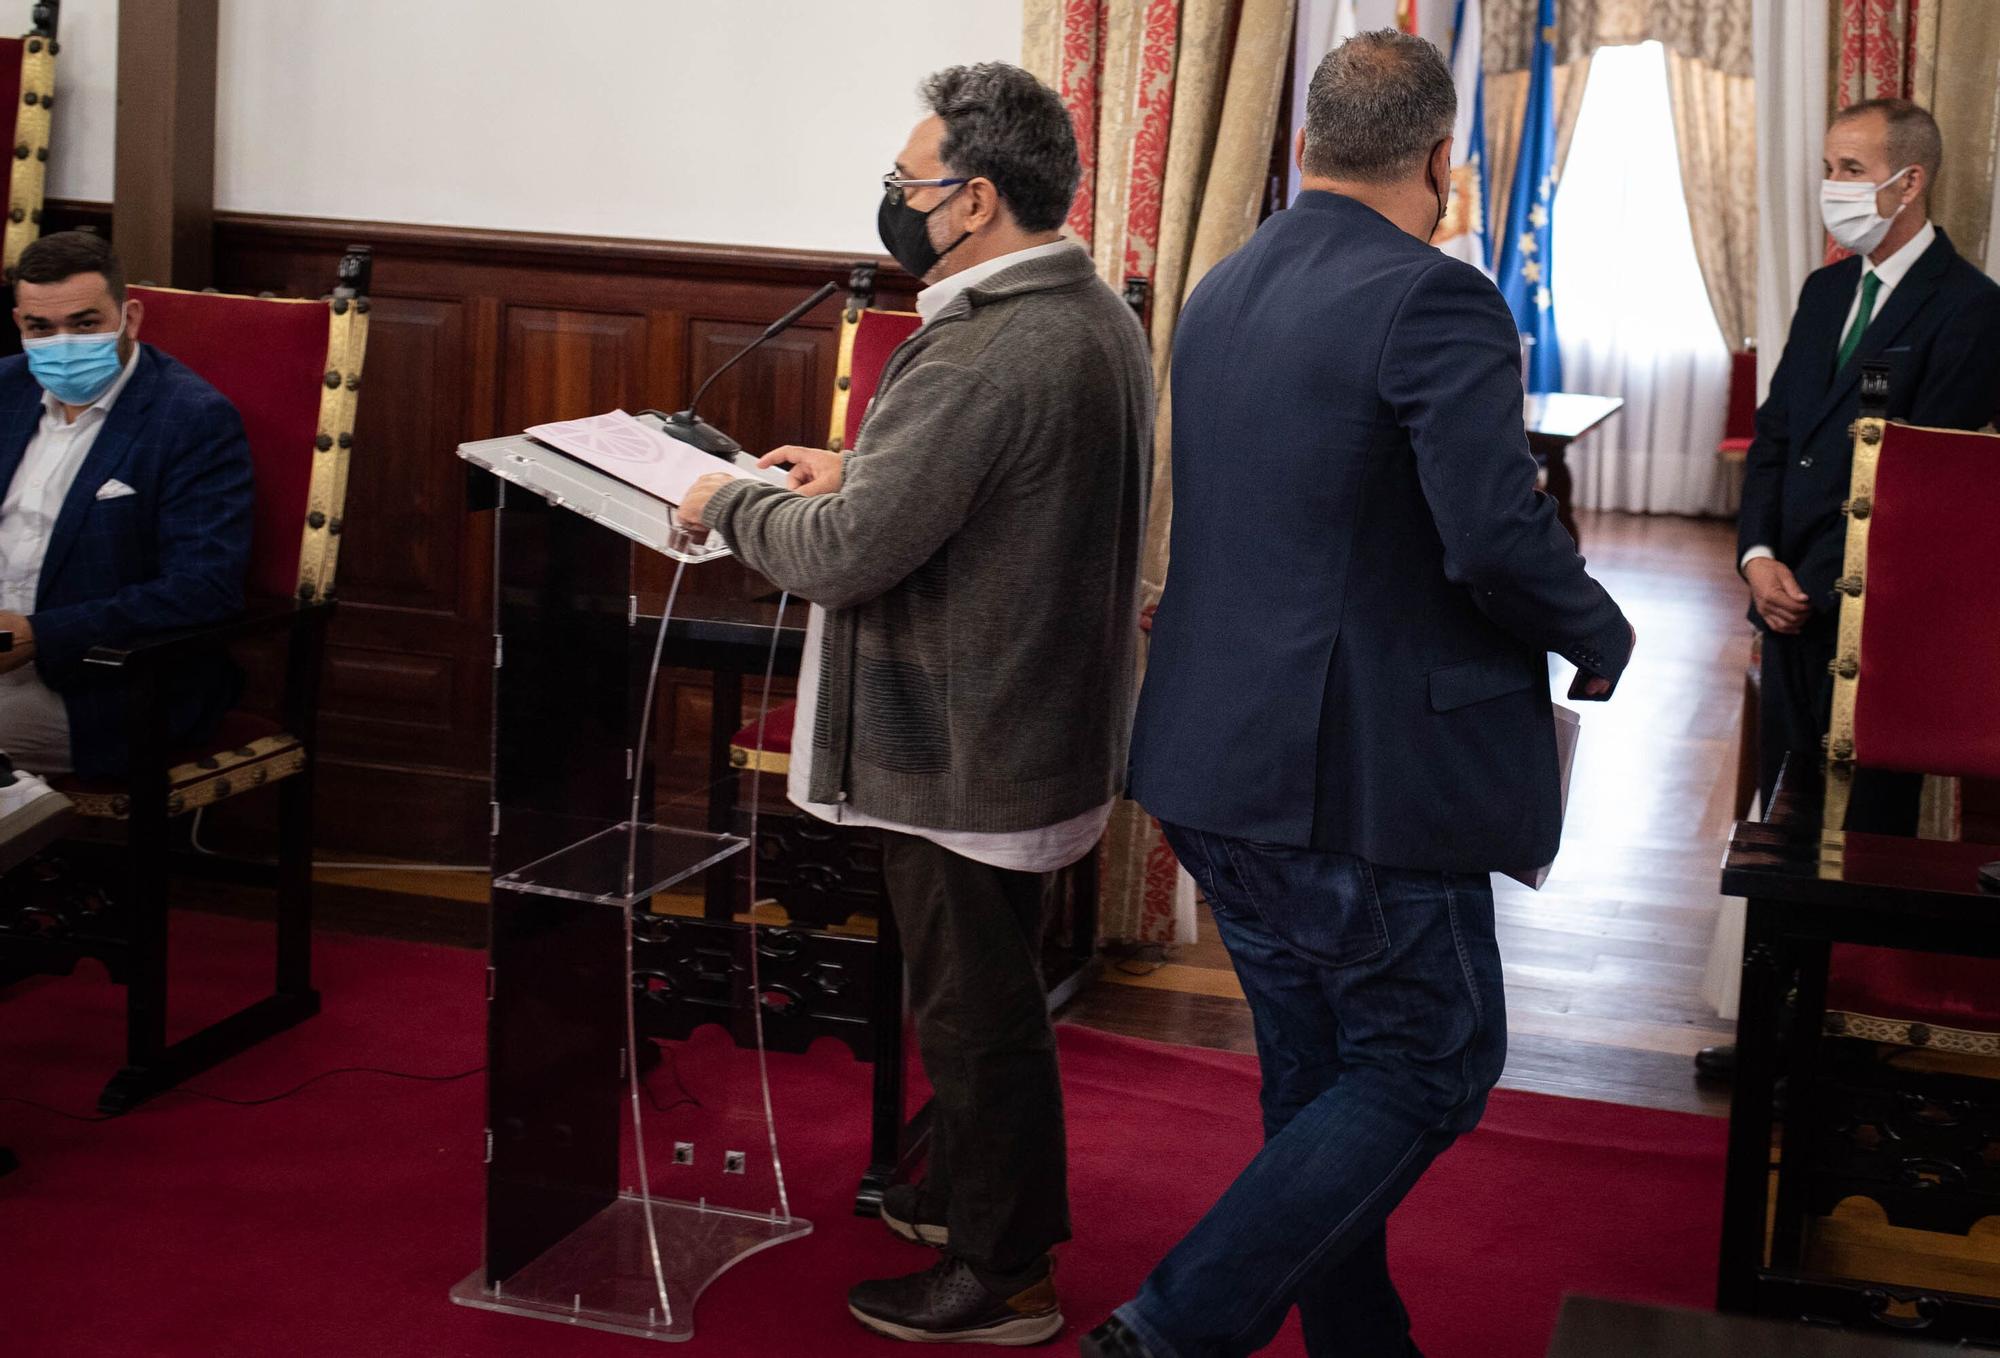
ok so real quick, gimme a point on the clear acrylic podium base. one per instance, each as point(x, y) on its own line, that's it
point(601, 1275)
point(624, 865)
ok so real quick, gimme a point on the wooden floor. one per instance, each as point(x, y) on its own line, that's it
point(1604, 963)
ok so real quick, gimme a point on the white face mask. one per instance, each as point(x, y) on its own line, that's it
point(1847, 206)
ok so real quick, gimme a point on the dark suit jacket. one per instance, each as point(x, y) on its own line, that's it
point(1940, 333)
point(172, 554)
point(1349, 652)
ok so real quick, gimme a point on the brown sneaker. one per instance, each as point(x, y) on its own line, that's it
point(949, 1303)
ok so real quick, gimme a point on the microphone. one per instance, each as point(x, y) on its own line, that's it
point(690, 428)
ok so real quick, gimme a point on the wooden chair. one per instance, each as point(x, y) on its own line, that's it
point(27, 86)
point(1916, 676)
point(293, 370)
point(1894, 1050)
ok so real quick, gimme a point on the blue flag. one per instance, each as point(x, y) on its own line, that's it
point(1525, 262)
point(1463, 233)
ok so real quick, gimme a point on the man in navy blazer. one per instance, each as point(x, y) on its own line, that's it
point(1345, 724)
point(126, 510)
point(1935, 319)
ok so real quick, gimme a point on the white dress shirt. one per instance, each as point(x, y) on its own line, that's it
point(1040, 850)
point(1890, 271)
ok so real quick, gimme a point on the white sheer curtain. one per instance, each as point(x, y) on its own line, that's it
point(1631, 311)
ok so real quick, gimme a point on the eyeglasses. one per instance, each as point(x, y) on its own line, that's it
point(893, 187)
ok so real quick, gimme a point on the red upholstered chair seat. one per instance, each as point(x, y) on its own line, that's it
point(269, 357)
point(1918, 999)
point(867, 339)
point(1733, 450)
point(1915, 691)
point(773, 752)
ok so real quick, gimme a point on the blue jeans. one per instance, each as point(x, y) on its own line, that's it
point(1381, 1025)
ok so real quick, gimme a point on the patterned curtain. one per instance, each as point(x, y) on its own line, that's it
point(1179, 103)
point(1709, 75)
point(1715, 132)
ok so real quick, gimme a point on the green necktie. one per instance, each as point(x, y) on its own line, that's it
point(1870, 283)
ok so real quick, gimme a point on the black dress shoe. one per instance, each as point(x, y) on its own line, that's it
point(1716, 1063)
point(1114, 1339)
point(904, 1213)
point(950, 1303)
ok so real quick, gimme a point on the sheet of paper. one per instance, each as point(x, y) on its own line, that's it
point(1569, 726)
point(638, 454)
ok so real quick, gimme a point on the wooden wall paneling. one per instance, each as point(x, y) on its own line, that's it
point(477, 333)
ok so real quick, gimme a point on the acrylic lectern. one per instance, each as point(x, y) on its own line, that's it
point(610, 1203)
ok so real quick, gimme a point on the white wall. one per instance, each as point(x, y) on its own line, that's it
point(758, 122)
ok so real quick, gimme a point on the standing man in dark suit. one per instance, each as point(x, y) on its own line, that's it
point(1906, 297)
point(125, 508)
point(1345, 724)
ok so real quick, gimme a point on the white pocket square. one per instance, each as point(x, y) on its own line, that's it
point(114, 489)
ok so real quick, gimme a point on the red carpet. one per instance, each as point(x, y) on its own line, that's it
point(333, 1222)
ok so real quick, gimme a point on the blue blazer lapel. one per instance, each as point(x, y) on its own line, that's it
point(1896, 314)
point(18, 419)
point(127, 418)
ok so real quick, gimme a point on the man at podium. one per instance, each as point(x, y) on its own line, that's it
point(969, 666)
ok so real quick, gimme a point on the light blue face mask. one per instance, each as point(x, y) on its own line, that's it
point(75, 369)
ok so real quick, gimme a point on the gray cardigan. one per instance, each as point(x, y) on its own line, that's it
point(979, 565)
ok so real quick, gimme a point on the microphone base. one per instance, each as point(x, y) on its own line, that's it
point(693, 430)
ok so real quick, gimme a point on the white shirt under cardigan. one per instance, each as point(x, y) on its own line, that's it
point(1040, 850)
point(1890, 271)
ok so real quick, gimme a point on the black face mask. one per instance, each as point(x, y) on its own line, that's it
point(906, 236)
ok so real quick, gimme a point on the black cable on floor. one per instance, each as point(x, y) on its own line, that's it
point(686, 1098)
point(251, 1103)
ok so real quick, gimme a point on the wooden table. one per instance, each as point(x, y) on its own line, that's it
point(1806, 892)
point(1591, 1328)
point(1555, 421)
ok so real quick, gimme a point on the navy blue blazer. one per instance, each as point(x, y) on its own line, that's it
point(1349, 654)
point(172, 554)
point(1939, 331)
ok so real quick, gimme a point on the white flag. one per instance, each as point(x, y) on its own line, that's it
point(1463, 233)
point(1322, 25)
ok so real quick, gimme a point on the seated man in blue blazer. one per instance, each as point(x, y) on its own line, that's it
point(1345, 724)
point(125, 509)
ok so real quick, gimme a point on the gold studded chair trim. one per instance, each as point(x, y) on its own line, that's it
point(326, 500)
point(843, 376)
point(1859, 509)
point(843, 372)
point(204, 782)
point(763, 761)
point(1913, 1033)
point(339, 400)
point(29, 180)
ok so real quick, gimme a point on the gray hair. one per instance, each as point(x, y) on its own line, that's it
point(1002, 124)
point(1913, 137)
point(1377, 105)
